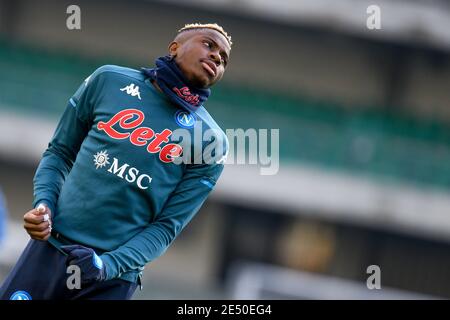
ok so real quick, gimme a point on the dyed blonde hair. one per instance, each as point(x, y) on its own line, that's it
point(213, 26)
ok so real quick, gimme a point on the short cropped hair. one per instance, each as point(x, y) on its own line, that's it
point(213, 26)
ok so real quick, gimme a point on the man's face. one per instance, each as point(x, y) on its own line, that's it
point(202, 55)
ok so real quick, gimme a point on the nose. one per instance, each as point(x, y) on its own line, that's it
point(214, 56)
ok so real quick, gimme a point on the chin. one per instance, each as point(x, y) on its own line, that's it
point(201, 82)
point(206, 85)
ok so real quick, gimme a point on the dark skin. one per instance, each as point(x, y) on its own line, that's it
point(202, 55)
point(35, 225)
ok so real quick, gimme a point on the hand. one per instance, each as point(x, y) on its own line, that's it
point(37, 222)
point(90, 264)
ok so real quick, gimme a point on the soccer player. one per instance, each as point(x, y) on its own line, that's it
point(110, 192)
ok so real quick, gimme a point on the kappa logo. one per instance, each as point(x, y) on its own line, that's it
point(20, 295)
point(132, 90)
point(185, 119)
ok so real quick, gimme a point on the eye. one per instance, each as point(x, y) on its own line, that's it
point(208, 44)
point(224, 60)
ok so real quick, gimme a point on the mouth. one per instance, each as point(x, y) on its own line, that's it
point(210, 67)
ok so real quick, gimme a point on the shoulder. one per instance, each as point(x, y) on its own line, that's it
point(214, 134)
point(110, 70)
point(203, 115)
point(95, 82)
point(209, 122)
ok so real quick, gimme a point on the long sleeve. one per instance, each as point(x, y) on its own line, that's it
point(182, 205)
point(62, 150)
point(128, 225)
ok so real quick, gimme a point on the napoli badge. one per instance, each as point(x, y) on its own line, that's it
point(20, 295)
point(184, 119)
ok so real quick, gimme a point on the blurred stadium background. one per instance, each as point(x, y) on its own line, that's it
point(364, 119)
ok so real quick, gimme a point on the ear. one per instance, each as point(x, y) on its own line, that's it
point(173, 48)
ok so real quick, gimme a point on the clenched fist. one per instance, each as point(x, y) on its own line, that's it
point(37, 222)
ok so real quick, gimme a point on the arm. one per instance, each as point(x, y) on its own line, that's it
point(62, 150)
point(181, 207)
